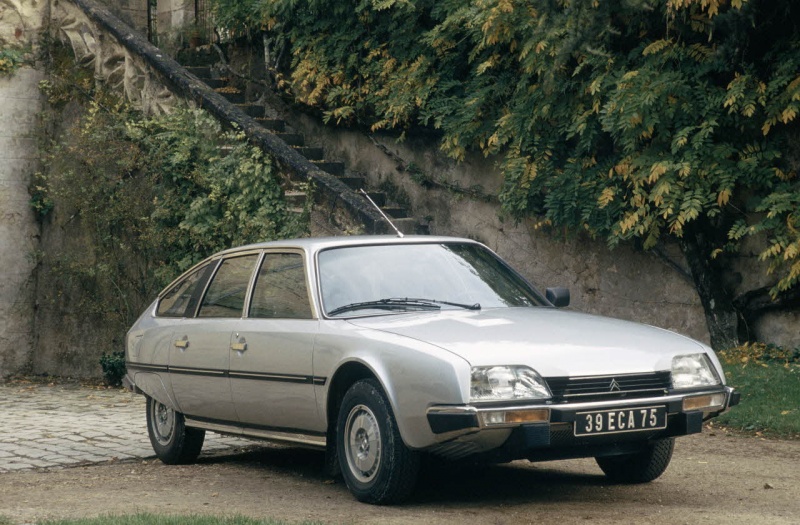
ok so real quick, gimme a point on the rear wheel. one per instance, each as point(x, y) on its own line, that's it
point(172, 441)
point(376, 464)
point(641, 467)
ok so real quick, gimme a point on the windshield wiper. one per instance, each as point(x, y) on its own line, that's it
point(386, 304)
point(474, 306)
point(393, 303)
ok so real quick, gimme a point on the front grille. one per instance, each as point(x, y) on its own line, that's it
point(599, 388)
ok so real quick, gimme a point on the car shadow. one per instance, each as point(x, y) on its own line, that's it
point(506, 483)
point(441, 482)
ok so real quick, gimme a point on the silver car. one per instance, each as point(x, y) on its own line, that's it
point(381, 349)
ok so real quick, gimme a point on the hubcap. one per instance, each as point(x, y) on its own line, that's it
point(363, 446)
point(163, 422)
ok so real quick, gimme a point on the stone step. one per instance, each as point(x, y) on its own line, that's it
point(204, 55)
point(378, 197)
point(234, 97)
point(355, 183)
point(311, 153)
point(292, 139)
point(273, 124)
point(395, 212)
point(215, 83)
point(199, 71)
point(295, 198)
point(252, 110)
point(332, 167)
point(408, 226)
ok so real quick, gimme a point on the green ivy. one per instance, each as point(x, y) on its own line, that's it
point(632, 120)
point(11, 58)
point(148, 197)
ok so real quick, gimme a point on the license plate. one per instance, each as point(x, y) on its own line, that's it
point(620, 420)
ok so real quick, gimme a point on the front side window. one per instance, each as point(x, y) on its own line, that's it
point(369, 280)
point(280, 291)
point(227, 291)
point(184, 295)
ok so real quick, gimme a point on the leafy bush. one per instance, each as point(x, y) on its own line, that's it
point(144, 198)
point(113, 366)
point(628, 120)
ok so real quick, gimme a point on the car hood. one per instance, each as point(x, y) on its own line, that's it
point(555, 343)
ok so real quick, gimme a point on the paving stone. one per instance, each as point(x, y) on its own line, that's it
point(49, 426)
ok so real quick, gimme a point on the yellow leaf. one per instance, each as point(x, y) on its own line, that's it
point(723, 197)
point(656, 171)
point(788, 115)
point(606, 197)
point(656, 46)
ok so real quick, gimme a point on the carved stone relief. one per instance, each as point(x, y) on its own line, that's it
point(113, 63)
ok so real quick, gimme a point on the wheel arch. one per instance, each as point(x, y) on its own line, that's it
point(346, 376)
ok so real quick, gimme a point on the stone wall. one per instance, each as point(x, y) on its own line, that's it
point(625, 283)
point(132, 12)
point(20, 102)
point(620, 283)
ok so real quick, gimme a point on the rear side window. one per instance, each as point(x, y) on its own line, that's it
point(280, 291)
point(184, 295)
point(226, 293)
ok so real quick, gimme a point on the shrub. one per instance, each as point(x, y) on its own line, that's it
point(113, 366)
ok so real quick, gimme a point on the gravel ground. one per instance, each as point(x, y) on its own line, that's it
point(714, 477)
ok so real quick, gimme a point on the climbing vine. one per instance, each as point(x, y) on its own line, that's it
point(144, 198)
point(639, 121)
point(11, 58)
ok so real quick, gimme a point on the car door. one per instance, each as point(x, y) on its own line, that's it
point(271, 357)
point(200, 351)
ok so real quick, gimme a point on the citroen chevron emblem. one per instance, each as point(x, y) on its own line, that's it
point(614, 386)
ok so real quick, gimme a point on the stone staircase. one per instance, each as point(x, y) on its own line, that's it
point(296, 190)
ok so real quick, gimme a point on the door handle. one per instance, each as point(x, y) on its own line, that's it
point(239, 347)
point(182, 343)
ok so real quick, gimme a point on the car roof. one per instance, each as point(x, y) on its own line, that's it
point(315, 244)
point(312, 245)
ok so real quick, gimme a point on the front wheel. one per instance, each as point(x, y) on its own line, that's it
point(172, 441)
point(640, 467)
point(376, 465)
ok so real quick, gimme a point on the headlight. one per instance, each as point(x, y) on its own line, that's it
point(693, 370)
point(500, 383)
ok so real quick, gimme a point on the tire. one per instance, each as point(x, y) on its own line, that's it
point(173, 442)
point(641, 467)
point(376, 465)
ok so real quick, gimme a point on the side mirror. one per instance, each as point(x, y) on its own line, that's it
point(558, 296)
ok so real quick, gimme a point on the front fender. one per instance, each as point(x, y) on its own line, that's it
point(414, 375)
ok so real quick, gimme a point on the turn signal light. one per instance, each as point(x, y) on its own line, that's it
point(702, 402)
point(514, 417)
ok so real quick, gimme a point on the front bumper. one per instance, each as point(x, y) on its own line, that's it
point(539, 426)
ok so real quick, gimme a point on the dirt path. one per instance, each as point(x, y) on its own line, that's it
point(713, 478)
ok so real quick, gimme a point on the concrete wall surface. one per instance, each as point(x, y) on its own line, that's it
point(20, 103)
point(21, 23)
point(621, 283)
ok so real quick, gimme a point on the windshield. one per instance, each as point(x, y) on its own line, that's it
point(370, 280)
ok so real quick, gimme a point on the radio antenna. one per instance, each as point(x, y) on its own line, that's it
point(364, 193)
